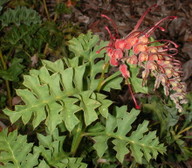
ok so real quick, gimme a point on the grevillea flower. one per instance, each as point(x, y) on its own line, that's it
point(155, 57)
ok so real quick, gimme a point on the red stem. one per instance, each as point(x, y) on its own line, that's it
point(133, 97)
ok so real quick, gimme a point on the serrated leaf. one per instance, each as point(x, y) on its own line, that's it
point(56, 66)
point(86, 47)
point(12, 73)
point(121, 149)
point(167, 116)
point(141, 143)
point(51, 148)
point(68, 113)
point(20, 15)
point(103, 109)
point(83, 45)
point(100, 144)
point(88, 106)
point(15, 151)
point(54, 94)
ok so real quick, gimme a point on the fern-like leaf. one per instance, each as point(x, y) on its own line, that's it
point(21, 34)
point(141, 143)
point(15, 69)
point(54, 95)
point(86, 47)
point(51, 148)
point(15, 151)
point(20, 15)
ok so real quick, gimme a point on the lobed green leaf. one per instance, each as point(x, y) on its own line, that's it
point(141, 143)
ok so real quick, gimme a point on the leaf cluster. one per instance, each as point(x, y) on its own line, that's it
point(66, 99)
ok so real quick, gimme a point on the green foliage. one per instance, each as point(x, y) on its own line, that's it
point(20, 34)
point(15, 69)
point(67, 104)
point(20, 15)
point(15, 151)
point(51, 148)
point(2, 2)
point(138, 88)
point(62, 8)
point(141, 143)
point(85, 47)
point(54, 94)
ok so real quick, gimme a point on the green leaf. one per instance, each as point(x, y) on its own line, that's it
point(83, 45)
point(16, 152)
point(103, 109)
point(141, 143)
point(12, 73)
point(54, 95)
point(135, 81)
point(88, 106)
point(20, 15)
point(121, 149)
point(56, 66)
point(167, 116)
point(51, 148)
point(100, 144)
point(86, 47)
point(22, 34)
point(68, 112)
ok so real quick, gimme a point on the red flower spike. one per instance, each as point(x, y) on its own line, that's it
point(118, 54)
point(153, 57)
point(143, 57)
point(114, 62)
point(143, 39)
point(157, 61)
point(132, 59)
point(123, 69)
point(120, 44)
point(139, 48)
point(130, 41)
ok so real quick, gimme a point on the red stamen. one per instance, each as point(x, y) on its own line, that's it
point(158, 23)
point(113, 23)
point(109, 32)
point(169, 41)
point(143, 16)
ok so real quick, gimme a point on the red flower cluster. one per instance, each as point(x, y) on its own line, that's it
point(155, 57)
